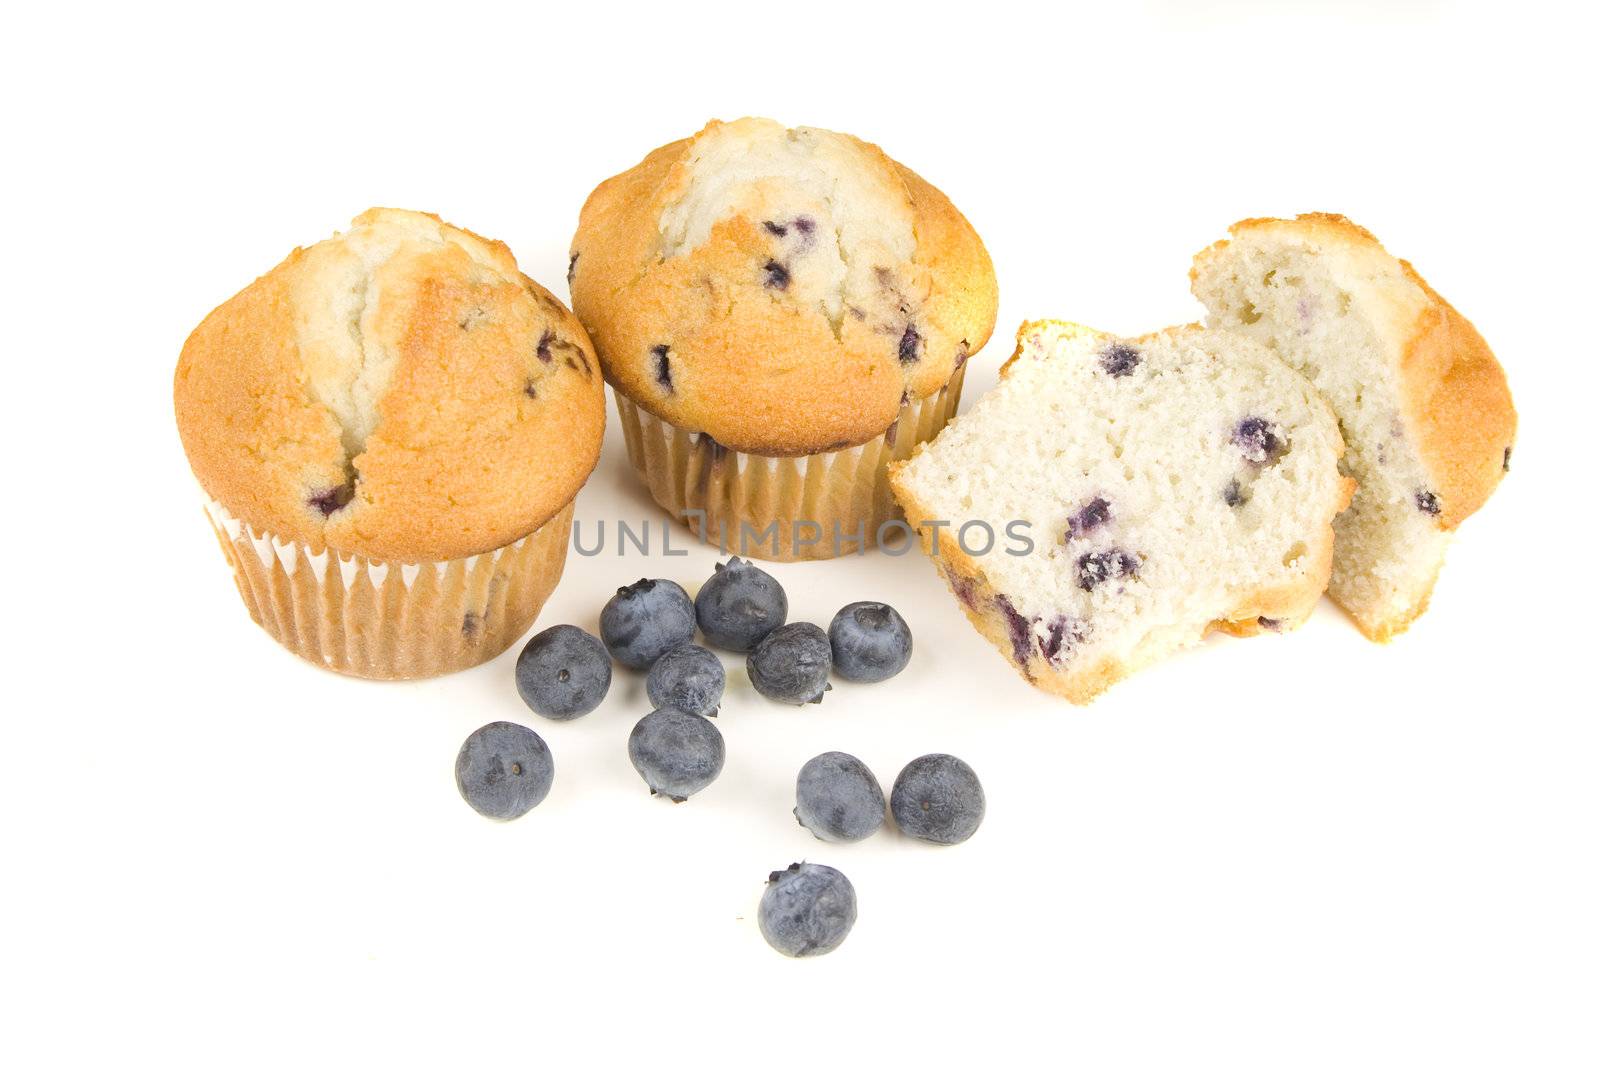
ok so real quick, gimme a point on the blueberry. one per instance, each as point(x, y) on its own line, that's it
point(1427, 502)
point(1259, 440)
point(663, 366)
point(542, 349)
point(777, 275)
point(1061, 635)
point(330, 500)
point(504, 770)
point(688, 678)
point(645, 619)
point(1097, 567)
point(937, 798)
point(837, 798)
point(1505, 461)
point(676, 753)
point(1090, 517)
point(563, 672)
point(1233, 494)
point(791, 664)
point(807, 909)
point(739, 605)
point(1119, 360)
point(870, 642)
point(1019, 627)
point(910, 345)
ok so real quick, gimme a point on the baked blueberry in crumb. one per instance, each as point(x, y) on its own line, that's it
point(1258, 439)
point(1091, 516)
point(1020, 629)
point(777, 229)
point(910, 345)
point(663, 367)
point(1275, 625)
point(777, 275)
point(1119, 360)
point(529, 391)
point(1097, 567)
point(572, 267)
point(963, 350)
point(543, 348)
point(330, 500)
point(1233, 494)
point(1427, 502)
point(1059, 637)
point(1505, 462)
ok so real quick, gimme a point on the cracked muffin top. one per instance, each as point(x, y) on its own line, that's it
point(783, 291)
point(400, 391)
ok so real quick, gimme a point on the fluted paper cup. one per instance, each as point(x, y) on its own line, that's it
point(376, 619)
point(780, 508)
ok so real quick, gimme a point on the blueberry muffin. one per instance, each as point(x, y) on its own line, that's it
point(1423, 403)
point(780, 313)
point(391, 427)
point(1115, 499)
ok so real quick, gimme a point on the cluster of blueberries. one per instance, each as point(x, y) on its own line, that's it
point(504, 770)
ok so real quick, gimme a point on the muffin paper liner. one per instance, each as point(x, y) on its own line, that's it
point(823, 505)
point(392, 620)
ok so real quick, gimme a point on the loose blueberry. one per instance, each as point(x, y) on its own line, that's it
point(1119, 360)
point(645, 619)
point(837, 798)
point(807, 909)
point(563, 672)
point(1097, 567)
point(870, 642)
point(1427, 502)
point(663, 366)
point(937, 798)
point(1090, 517)
point(791, 664)
point(676, 753)
point(1258, 439)
point(777, 275)
point(504, 770)
point(688, 678)
point(739, 605)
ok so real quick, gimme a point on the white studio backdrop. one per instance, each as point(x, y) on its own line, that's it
point(1304, 849)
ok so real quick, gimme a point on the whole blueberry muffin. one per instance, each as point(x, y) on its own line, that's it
point(1423, 403)
point(1115, 499)
point(391, 427)
point(780, 312)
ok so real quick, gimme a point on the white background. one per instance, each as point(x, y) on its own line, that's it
point(1303, 849)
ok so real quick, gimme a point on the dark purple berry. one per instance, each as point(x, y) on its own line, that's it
point(777, 229)
point(1427, 502)
point(543, 349)
point(331, 500)
point(1505, 462)
point(1091, 516)
point(804, 225)
point(1119, 360)
point(1097, 567)
point(777, 275)
point(572, 266)
point(1258, 439)
point(663, 367)
point(910, 343)
point(1275, 625)
point(1233, 494)
point(1059, 638)
point(1020, 629)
